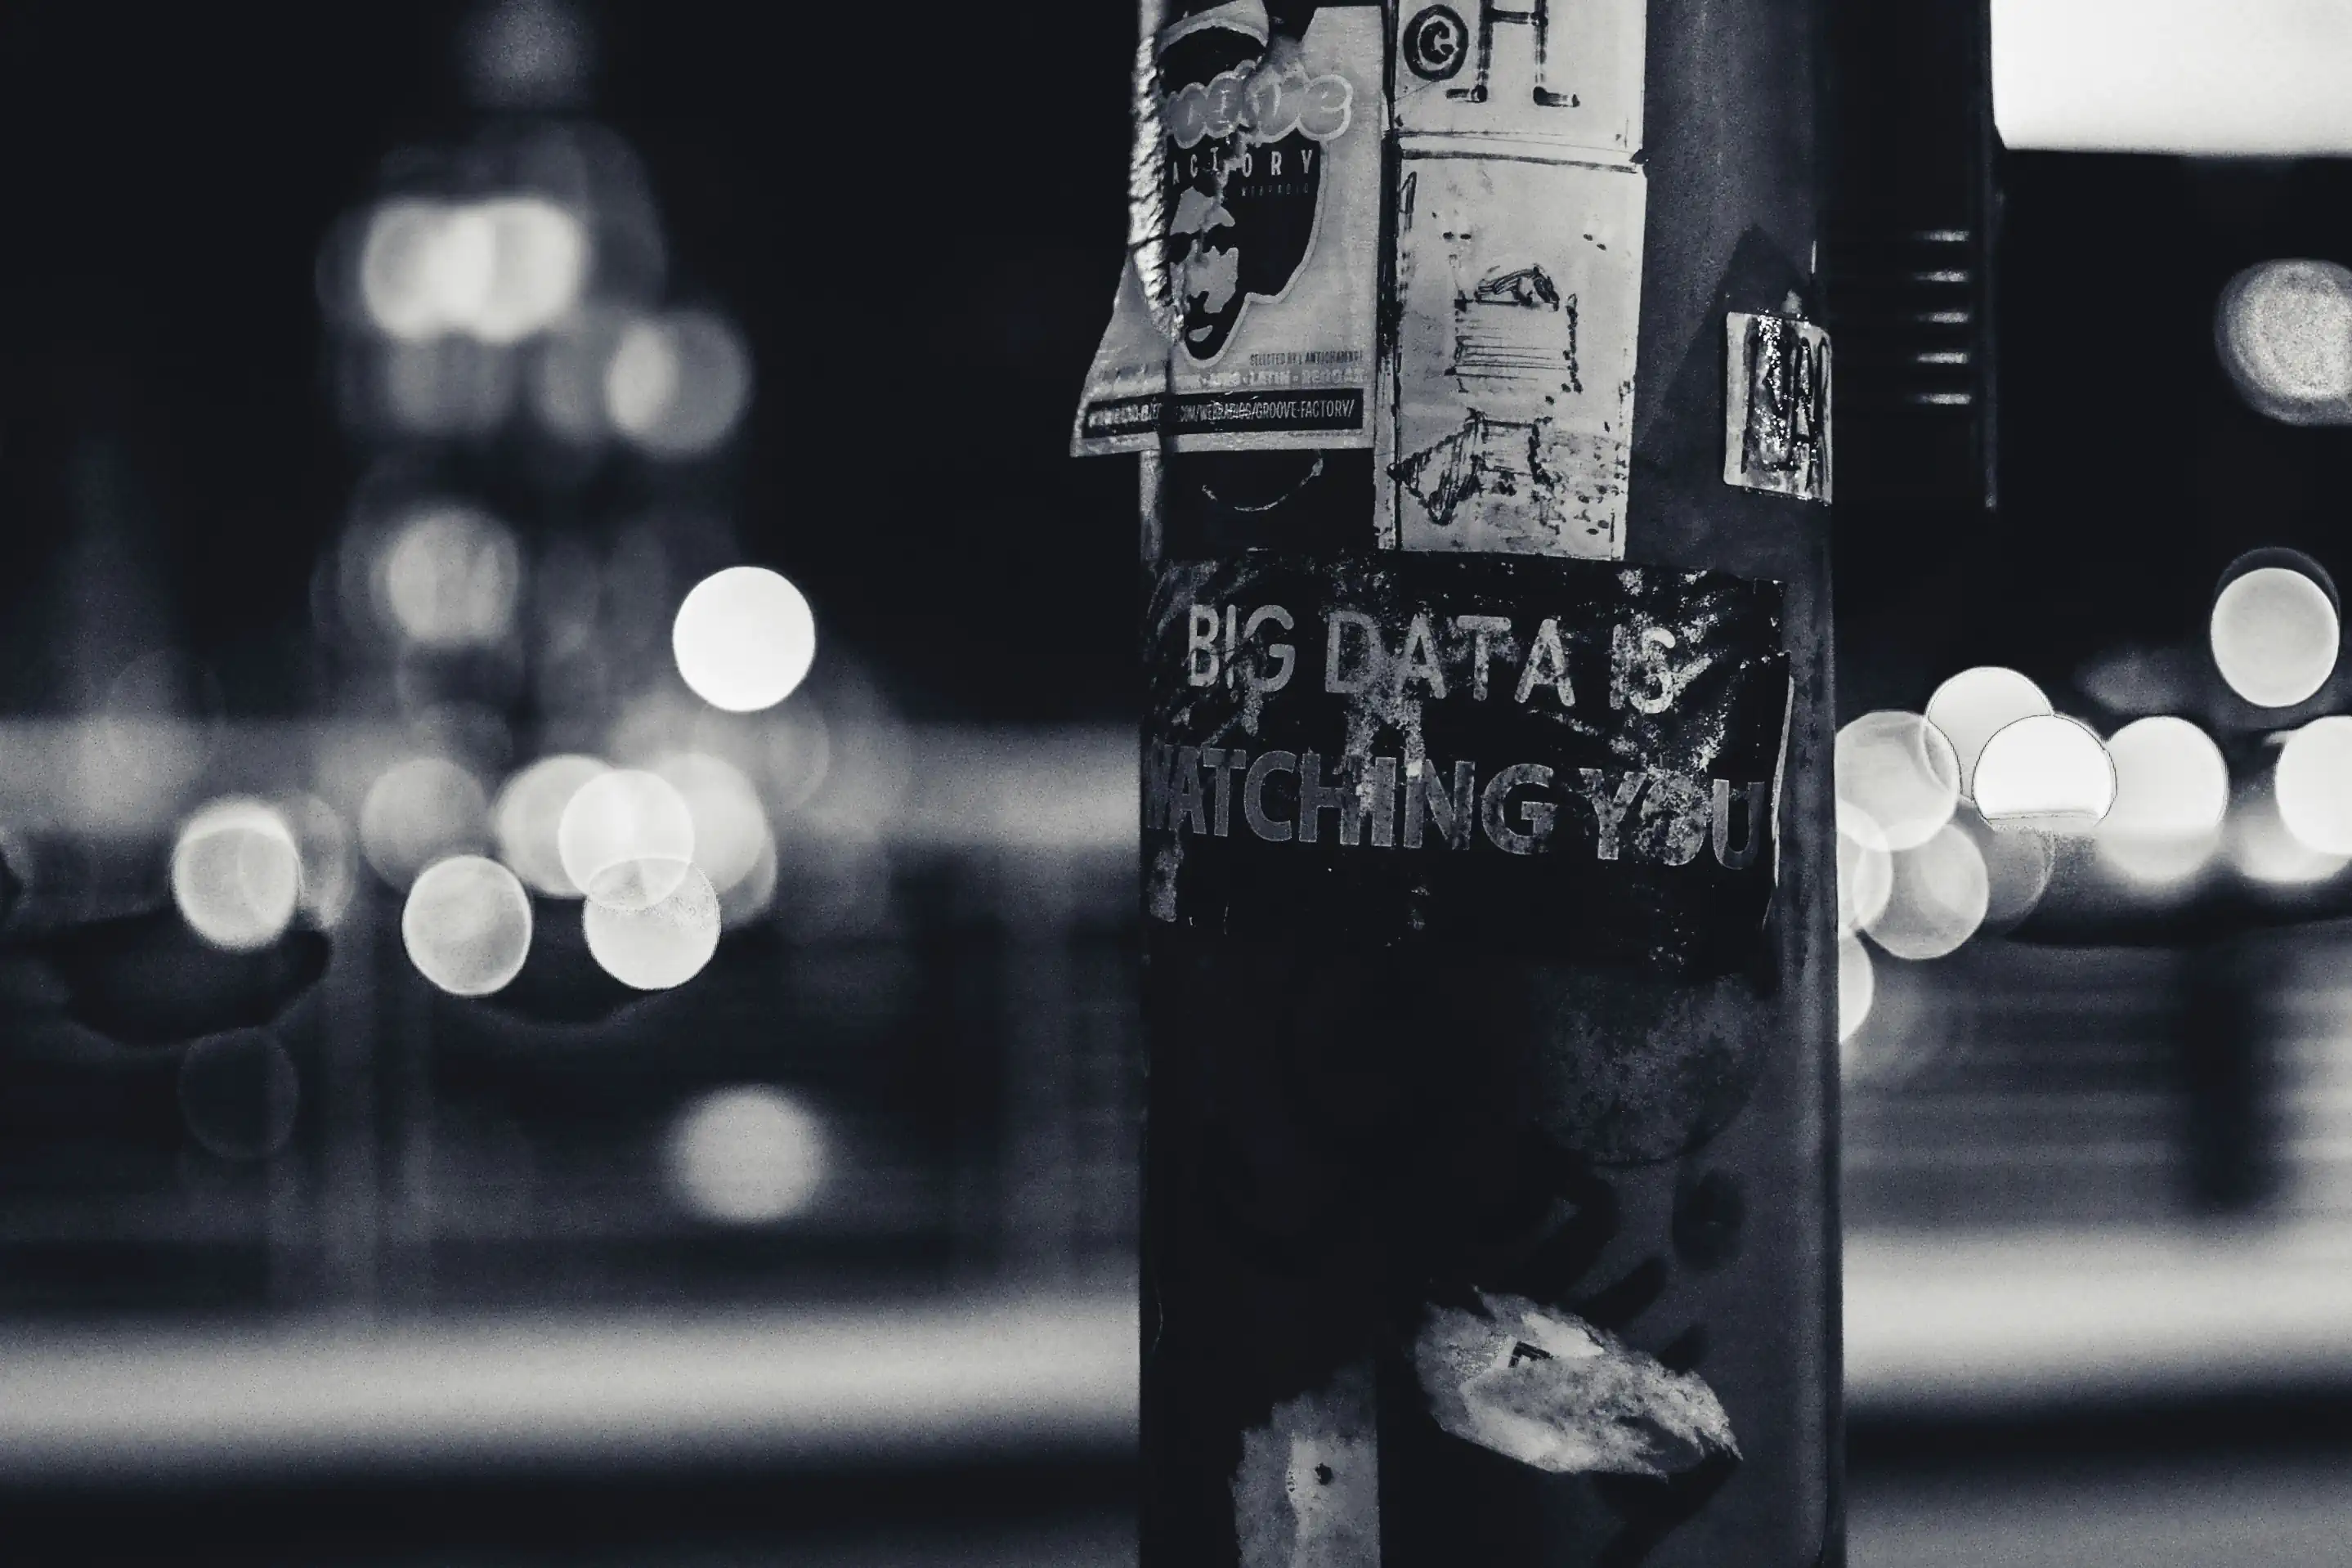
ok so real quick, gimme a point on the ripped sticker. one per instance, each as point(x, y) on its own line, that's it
point(1549, 1390)
point(1306, 1493)
point(1244, 315)
point(1510, 402)
point(1776, 426)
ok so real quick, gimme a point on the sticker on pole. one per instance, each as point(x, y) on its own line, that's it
point(1512, 405)
point(1565, 73)
point(1244, 315)
point(1485, 753)
point(1776, 422)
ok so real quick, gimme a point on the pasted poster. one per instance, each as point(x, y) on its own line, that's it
point(1247, 322)
point(1476, 752)
point(1775, 405)
point(1519, 285)
point(1564, 72)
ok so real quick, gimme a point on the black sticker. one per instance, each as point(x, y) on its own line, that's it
point(1509, 754)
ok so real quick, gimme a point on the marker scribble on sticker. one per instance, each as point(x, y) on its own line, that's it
point(1549, 1390)
point(1306, 1493)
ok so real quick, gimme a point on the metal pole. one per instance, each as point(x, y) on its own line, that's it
point(1489, 1204)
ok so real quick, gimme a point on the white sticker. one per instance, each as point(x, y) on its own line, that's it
point(1566, 73)
point(1510, 415)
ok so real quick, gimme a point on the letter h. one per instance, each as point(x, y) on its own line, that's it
point(1537, 17)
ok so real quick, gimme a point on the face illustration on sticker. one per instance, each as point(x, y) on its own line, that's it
point(1247, 125)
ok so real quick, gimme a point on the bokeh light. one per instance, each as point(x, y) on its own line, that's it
point(1901, 772)
point(2019, 864)
point(2275, 633)
point(330, 860)
point(1939, 898)
point(730, 825)
point(2262, 850)
point(744, 638)
point(420, 811)
point(2171, 790)
point(2048, 772)
point(625, 838)
point(2285, 332)
point(426, 267)
point(467, 925)
point(236, 874)
point(1857, 986)
point(677, 383)
point(747, 1156)
point(1975, 705)
point(1865, 869)
point(529, 812)
point(755, 894)
point(528, 54)
point(452, 575)
point(540, 261)
point(2314, 785)
point(238, 1094)
point(660, 945)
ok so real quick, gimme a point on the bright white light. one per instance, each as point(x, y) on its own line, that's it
point(1940, 897)
point(2285, 332)
point(424, 810)
point(2262, 848)
point(452, 574)
point(1975, 705)
point(529, 810)
point(540, 262)
point(660, 945)
point(467, 925)
point(2314, 785)
point(2275, 636)
point(1865, 869)
point(677, 386)
point(1902, 773)
point(729, 827)
point(427, 268)
point(744, 638)
point(2050, 772)
point(625, 837)
point(328, 861)
point(2171, 790)
point(2248, 77)
point(236, 874)
point(747, 1156)
point(1857, 986)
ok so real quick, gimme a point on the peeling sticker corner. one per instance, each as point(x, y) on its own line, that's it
point(1306, 1493)
point(1549, 1390)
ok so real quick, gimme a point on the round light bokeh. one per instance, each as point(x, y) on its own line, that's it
point(2275, 636)
point(529, 812)
point(2048, 773)
point(237, 874)
point(755, 895)
point(1902, 773)
point(1865, 869)
point(678, 385)
point(238, 1094)
point(2172, 789)
point(2019, 864)
point(2263, 851)
point(744, 639)
point(1939, 899)
point(747, 1156)
point(1977, 704)
point(660, 945)
point(625, 838)
point(467, 925)
point(730, 827)
point(423, 810)
point(1857, 986)
point(452, 574)
point(539, 255)
point(2285, 332)
point(330, 860)
point(2314, 785)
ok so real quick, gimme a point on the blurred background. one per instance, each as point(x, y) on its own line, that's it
point(567, 988)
